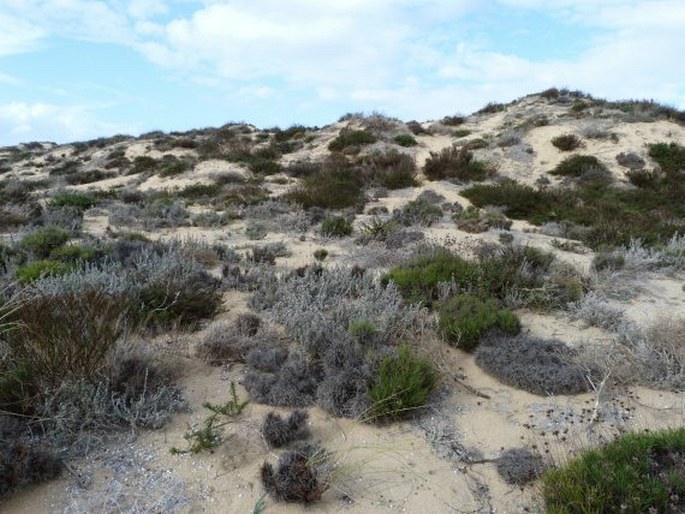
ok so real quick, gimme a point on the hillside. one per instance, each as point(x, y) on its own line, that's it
point(456, 305)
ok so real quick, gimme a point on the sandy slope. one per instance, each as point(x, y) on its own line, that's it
point(441, 462)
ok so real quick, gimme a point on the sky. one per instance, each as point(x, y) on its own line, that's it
point(79, 69)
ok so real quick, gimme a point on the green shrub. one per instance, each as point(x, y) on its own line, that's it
point(491, 108)
point(567, 142)
point(464, 318)
point(455, 163)
point(198, 191)
point(519, 201)
point(41, 268)
point(320, 254)
point(418, 212)
point(44, 240)
point(669, 156)
point(79, 200)
point(73, 253)
point(461, 133)
point(348, 138)
point(144, 163)
point(173, 168)
point(392, 169)
point(262, 166)
point(637, 473)
point(578, 166)
point(405, 140)
point(336, 226)
point(404, 383)
point(335, 188)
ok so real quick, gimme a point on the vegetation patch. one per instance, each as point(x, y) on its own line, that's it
point(464, 318)
point(567, 142)
point(348, 138)
point(336, 226)
point(391, 169)
point(404, 384)
point(637, 473)
point(330, 189)
point(456, 163)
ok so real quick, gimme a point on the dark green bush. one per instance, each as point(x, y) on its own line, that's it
point(578, 166)
point(418, 212)
point(519, 201)
point(418, 280)
point(336, 226)
point(198, 191)
point(455, 163)
point(638, 473)
point(406, 140)
point(44, 240)
point(80, 201)
point(348, 138)
point(392, 169)
point(567, 142)
point(41, 268)
point(669, 156)
point(330, 189)
point(464, 318)
point(403, 385)
point(144, 163)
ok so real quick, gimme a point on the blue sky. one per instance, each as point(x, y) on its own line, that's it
point(78, 69)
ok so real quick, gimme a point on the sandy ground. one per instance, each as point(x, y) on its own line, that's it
point(440, 462)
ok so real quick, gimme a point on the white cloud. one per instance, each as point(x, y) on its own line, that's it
point(17, 36)
point(21, 121)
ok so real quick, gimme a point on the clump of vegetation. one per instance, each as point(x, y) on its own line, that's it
point(567, 142)
point(539, 366)
point(351, 138)
point(579, 166)
point(335, 188)
point(336, 226)
point(23, 463)
point(520, 466)
point(636, 473)
point(232, 342)
point(669, 156)
point(301, 476)
point(80, 201)
point(453, 121)
point(279, 432)
point(475, 220)
point(44, 240)
point(391, 169)
point(320, 254)
point(418, 212)
point(465, 318)
point(210, 434)
point(406, 140)
point(491, 108)
point(42, 268)
point(630, 160)
point(456, 163)
point(404, 383)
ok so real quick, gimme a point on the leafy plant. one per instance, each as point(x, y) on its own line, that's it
point(455, 163)
point(406, 140)
point(335, 188)
point(404, 383)
point(637, 473)
point(348, 138)
point(210, 434)
point(44, 267)
point(464, 318)
point(44, 240)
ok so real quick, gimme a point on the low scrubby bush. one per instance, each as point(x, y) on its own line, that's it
point(539, 366)
point(405, 140)
point(637, 473)
point(630, 160)
point(44, 240)
point(404, 384)
point(519, 466)
point(669, 156)
point(23, 463)
point(465, 318)
point(579, 166)
point(418, 212)
point(231, 342)
point(336, 188)
point(455, 163)
point(80, 201)
point(336, 226)
point(567, 142)
point(301, 476)
point(294, 384)
point(41, 268)
point(391, 169)
point(279, 432)
point(348, 138)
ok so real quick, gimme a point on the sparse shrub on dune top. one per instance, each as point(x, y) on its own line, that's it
point(519, 201)
point(567, 142)
point(301, 476)
point(456, 163)
point(405, 140)
point(279, 432)
point(465, 318)
point(351, 138)
point(404, 384)
point(539, 366)
point(636, 473)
